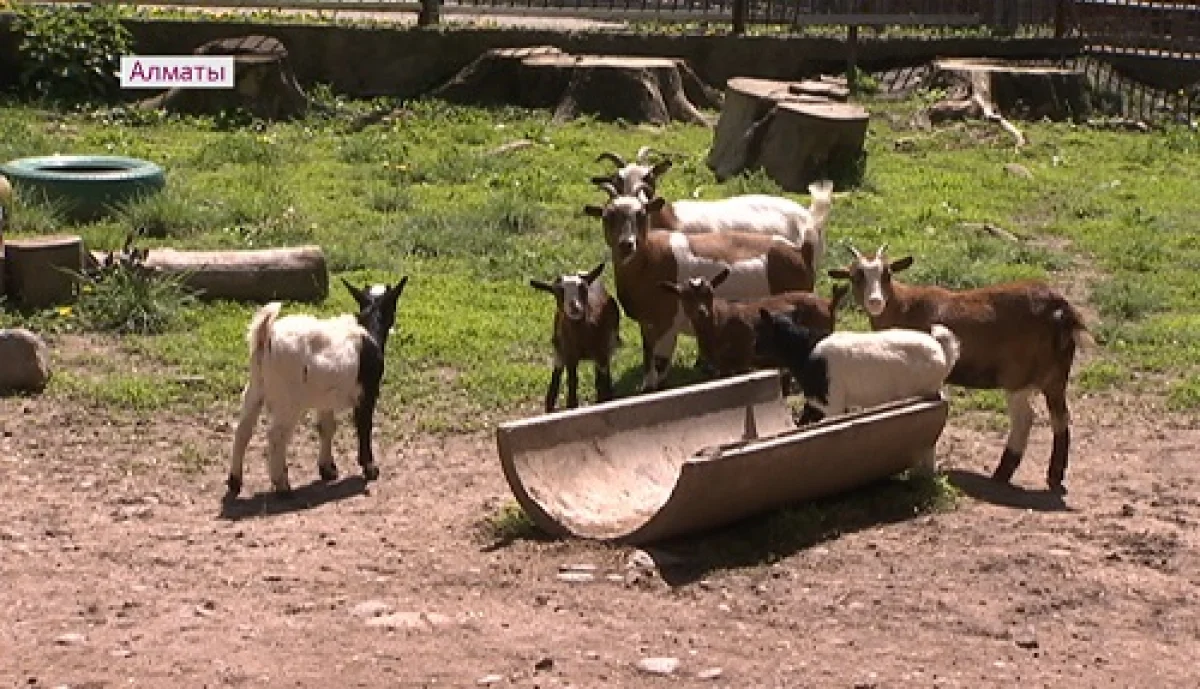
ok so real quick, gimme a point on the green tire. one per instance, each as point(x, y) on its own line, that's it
point(86, 187)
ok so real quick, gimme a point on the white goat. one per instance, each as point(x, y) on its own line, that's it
point(845, 370)
point(300, 362)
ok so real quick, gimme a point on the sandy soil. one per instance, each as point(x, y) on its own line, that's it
point(122, 567)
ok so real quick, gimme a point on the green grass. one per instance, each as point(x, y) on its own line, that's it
point(424, 194)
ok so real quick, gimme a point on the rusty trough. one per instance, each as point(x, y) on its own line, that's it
point(672, 463)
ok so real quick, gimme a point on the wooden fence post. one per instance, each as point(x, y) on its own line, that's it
point(430, 14)
point(740, 10)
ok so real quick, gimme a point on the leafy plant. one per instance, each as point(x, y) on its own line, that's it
point(71, 54)
point(124, 296)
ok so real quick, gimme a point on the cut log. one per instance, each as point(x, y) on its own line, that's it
point(43, 271)
point(1014, 91)
point(264, 84)
point(292, 274)
point(653, 90)
point(794, 136)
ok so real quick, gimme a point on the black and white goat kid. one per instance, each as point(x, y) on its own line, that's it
point(301, 362)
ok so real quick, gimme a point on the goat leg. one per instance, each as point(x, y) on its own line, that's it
point(1020, 415)
point(252, 404)
point(573, 385)
point(552, 391)
point(278, 437)
point(364, 415)
point(326, 424)
point(604, 384)
point(1060, 420)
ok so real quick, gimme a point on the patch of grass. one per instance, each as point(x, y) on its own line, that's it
point(1098, 376)
point(139, 392)
point(1184, 395)
point(129, 299)
point(1128, 297)
point(510, 523)
point(423, 192)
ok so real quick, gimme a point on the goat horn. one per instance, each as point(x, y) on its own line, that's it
point(855, 253)
point(643, 152)
point(880, 251)
point(609, 155)
point(610, 188)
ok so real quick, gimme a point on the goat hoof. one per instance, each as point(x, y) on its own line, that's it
point(234, 484)
point(370, 472)
point(328, 472)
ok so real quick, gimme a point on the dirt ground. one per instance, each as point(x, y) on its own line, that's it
point(122, 568)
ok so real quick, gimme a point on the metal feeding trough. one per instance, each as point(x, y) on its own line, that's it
point(666, 464)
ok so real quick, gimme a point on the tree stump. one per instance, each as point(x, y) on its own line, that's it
point(293, 274)
point(43, 271)
point(657, 90)
point(492, 79)
point(1013, 91)
point(794, 135)
point(264, 84)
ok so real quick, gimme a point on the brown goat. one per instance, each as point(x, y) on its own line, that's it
point(587, 323)
point(761, 265)
point(725, 329)
point(1020, 337)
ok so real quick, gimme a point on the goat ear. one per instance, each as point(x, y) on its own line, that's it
point(660, 168)
point(901, 264)
point(594, 211)
point(601, 179)
point(543, 286)
point(764, 314)
point(399, 288)
point(670, 287)
point(595, 273)
point(358, 294)
point(656, 204)
point(839, 273)
point(840, 291)
point(720, 277)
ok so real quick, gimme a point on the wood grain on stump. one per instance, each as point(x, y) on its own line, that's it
point(264, 84)
point(636, 89)
point(294, 273)
point(789, 130)
point(43, 271)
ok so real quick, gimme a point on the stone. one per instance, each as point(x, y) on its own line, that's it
point(489, 680)
point(400, 620)
point(710, 673)
point(658, 666)
point(24, 361)
point(370, 608)
point(576, 577)
point(70, 639)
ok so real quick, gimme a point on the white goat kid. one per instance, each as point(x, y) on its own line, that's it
point(300, 362)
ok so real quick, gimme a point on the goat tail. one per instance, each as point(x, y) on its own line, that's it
point(822, 201)
point(259, 332)
point(1072, 325)
point(951, 346)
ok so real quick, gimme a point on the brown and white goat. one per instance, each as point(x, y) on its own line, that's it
point(1020, 337)
point(759, 265)
point(587, 323)
point(725, 329)
point(629, 176)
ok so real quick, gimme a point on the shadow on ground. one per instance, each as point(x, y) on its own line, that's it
point(315, 494)
point(983, 488)
point(776, 535)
